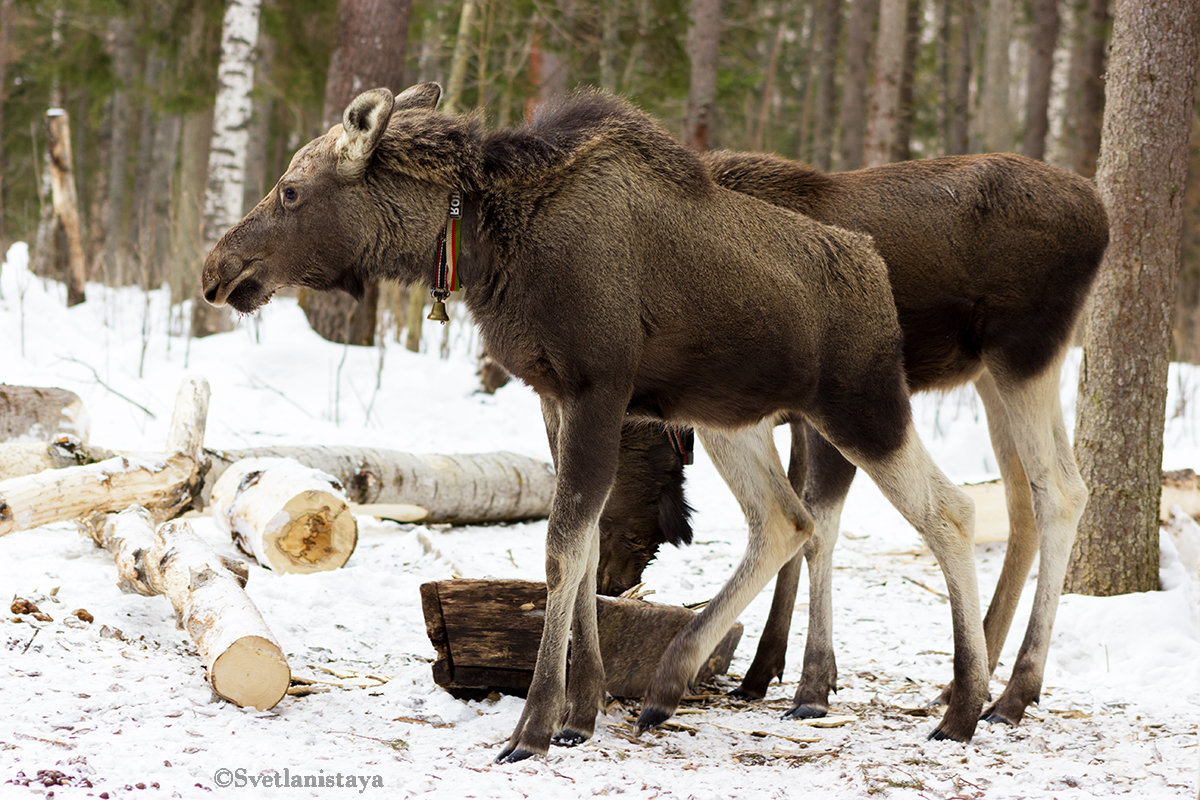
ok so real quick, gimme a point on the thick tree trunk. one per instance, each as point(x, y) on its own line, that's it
point(703, 38)
point(912, 44)
point(287, 516)
point(883, 123)
point(854, 82)
point(244, 662)
point(1123, 379)
point(66, 204)
point(467, 488)
point(5, 26)
point(1041, 67)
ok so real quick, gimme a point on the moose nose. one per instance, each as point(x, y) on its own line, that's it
point(210, 291)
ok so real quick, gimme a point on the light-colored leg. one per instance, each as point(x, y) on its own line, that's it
point(1058, 496)
point(944, 516)
point(779, 525)
point(585, 677)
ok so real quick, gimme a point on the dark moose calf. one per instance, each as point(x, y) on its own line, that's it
point(990, 260)
point(609, 272)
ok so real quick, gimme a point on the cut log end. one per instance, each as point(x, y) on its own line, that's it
point(317, 532)
point(252, 672)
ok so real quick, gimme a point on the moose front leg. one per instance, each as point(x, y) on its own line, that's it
point(587, 443)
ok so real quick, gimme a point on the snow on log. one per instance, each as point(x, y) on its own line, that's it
point(244, 662)
point(26, 458)
point(289, 517)
point(461, 489)
point(167, 484)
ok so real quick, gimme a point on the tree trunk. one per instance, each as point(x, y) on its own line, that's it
point(5, 25)
point(556, 48)
point(883, 123)
point(462, 489)
point(1123, 379)
point(66, 205)
point(912, 44)
point(703, 37)
point(244, 662)
point(288, 517)
point(996, 119)
point(1085, 85)
point(227, 154)
point(829, 22)
point(854, 82)
point(956, 75)
point(1041, 67)
point(451, 98)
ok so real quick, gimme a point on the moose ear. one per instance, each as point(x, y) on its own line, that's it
point(363, 124)
point(423, 95)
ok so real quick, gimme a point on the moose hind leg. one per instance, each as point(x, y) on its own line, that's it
point(830, 476)
point(585, 675)
point(779, 525)
point(1058, 494)
point(944, 516)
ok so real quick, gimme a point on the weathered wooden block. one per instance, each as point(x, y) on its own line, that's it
point(486, 633)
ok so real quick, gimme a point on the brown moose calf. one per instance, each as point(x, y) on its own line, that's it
point(609, 272)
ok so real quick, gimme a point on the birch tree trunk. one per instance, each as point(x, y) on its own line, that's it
point(1123, 378)
point(66, 204)
point(242, 658)
point(884, 119)
point(703, 38)
point(227, 154)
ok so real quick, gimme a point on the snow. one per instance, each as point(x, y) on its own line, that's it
point(121, 703)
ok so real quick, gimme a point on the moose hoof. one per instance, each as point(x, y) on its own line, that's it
point(747, 694)
point(511, 755)
point(943, 733)
point(806, 711)
point(650, 718)
point(569, 738)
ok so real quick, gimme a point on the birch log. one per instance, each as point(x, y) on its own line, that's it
point(167, 484)
point(244, 662)
point(460, 489)
point(289, 517)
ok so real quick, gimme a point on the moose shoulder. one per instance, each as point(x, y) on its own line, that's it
point(607, 270)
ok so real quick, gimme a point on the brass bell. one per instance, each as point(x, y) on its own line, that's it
point(438, 312)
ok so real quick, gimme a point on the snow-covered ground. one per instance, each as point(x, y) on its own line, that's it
point(120, 707)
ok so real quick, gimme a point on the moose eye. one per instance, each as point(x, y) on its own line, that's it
point(289, 194)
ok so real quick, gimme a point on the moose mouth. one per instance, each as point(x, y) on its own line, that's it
point(248, 296)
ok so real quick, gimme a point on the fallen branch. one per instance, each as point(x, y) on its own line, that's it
point(285, 515)
point(166, 484)
point(245, 664)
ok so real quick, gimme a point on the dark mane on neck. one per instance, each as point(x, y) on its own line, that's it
point(776, 180)
point(589, 124)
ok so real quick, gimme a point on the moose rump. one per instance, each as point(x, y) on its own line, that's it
point(608, 271)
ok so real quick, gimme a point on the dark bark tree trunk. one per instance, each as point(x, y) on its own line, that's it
point(369, 52)
point(704, 34)
point(854, 82)
point(995, 110)
point(5, 26)
point(955, 79)
point(1141, 175)
point(1041, 66)
point(829, 23)
point(883, 123)
point(912, 44)
point(1085, 85)
point(116, 246)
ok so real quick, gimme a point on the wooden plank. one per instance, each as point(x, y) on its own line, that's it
point(486, 634)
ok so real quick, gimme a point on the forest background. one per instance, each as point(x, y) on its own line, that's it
point(184, 112)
